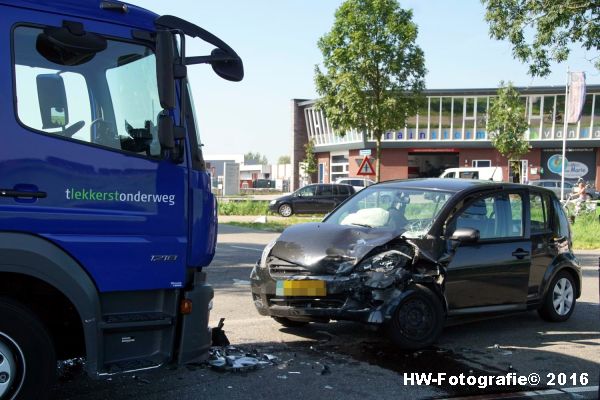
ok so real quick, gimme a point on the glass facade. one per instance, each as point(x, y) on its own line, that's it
point(445, 118)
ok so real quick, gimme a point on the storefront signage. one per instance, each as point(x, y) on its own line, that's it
point(578, 163)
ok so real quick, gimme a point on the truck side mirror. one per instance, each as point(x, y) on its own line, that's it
point(52, 99)
point(231, 68)
point(166, 132)
point(165, 75)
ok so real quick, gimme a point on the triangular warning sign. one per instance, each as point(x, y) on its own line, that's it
point(366, 168)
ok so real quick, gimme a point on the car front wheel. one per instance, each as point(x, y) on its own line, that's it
point(418, 319)
point(285, 210)
point(559, 302)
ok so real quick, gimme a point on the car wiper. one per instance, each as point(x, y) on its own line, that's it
point(363, 225)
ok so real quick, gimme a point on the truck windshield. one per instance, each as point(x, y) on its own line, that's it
point(109, 100)
point(409, 212)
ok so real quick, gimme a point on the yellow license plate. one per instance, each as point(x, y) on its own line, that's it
point(301, 288)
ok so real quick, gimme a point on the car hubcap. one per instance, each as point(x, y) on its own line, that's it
point(562, 297)
point(11, 363)
point(286, 211)
point(416, 319)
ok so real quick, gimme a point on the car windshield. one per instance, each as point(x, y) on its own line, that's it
point(409, 212)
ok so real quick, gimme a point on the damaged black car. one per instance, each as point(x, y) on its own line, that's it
point(409, 255)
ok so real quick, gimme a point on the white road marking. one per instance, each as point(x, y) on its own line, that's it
point(245, 248)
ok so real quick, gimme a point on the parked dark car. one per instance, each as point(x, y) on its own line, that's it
point(319, 198)
point(409, 254)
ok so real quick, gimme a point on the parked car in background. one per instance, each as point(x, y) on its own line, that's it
point(554, 185)
point(318, 198)
point(407, 255)
point(483, 173)
point(357, 183)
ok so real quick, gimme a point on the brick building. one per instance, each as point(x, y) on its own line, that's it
point(450, 131)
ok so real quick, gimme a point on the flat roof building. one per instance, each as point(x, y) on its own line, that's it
point(450, 131)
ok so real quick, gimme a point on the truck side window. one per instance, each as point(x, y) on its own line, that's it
point(110, 99)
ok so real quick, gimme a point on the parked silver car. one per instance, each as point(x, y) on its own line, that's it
point(554, 185)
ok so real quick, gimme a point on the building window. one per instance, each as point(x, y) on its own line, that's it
point(339, 166)
point(482, 163)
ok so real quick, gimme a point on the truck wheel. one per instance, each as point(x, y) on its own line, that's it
point(285, 210)
point(290, 323)
point(418, 319)
point(27, 360)
point(559, 302)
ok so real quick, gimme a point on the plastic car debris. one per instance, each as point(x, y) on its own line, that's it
point(235, 359)
point(218, 335)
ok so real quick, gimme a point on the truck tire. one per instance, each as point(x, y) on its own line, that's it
point(559, 302)
point(418, 320)
point(290, 323)
point(27, 361)
point(285, 210)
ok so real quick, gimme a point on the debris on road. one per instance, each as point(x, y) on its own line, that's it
point(218, 335)
point(231, 358)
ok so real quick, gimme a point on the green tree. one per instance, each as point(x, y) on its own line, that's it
point(507, 123)
point(284, 160)
point(251, 158)
point(374, 70)
point(310, 161)
point(554, 24)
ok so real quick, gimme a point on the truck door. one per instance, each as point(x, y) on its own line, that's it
point(81, 160)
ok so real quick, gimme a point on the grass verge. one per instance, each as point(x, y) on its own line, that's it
point(586, 232)
point(274, 226)
point(246, 207)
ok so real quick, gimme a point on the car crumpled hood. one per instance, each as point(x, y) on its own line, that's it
point(318, 245)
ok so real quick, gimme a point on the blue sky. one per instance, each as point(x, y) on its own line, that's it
point(277, 42)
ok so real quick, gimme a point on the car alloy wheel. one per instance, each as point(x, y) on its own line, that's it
point(562, 296)
point(285, 210)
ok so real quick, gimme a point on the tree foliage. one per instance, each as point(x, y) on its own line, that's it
point(251, 158)
point(284, 160)
point(555, 25)
point(310, 161)
point(374, 70)
point(507, 123)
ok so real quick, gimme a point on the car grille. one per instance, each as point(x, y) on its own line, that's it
point(281, 269)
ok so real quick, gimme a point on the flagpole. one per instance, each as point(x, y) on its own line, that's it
point(564, 143)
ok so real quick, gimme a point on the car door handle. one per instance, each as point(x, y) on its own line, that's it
point(520, 253)
point(20, 194)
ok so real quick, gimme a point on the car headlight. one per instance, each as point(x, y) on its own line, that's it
point(266, 252)
point(273, 202)
point(384, 262)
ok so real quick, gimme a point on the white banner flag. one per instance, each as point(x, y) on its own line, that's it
point(576, 97)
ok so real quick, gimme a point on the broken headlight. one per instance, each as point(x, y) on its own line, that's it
point(384, 262)
point(266, 252)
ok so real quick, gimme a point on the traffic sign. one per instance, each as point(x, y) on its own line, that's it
point(364, 152)
point(366, 168)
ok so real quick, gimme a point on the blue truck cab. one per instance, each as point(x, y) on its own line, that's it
point(106, 215)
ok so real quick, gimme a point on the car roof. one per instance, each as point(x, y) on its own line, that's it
point(452, 185)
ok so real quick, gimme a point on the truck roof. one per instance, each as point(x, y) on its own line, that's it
point(91, 9)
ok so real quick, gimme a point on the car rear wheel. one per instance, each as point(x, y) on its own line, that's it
point(559, 302)
point(418, 319)
point(27, 360)
point(290, 323)
point(285, 210)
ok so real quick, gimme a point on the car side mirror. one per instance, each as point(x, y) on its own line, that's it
point(465, 235)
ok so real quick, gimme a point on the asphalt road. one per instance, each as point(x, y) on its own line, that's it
point(350, 361)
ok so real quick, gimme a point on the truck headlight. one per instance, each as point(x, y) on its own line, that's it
point(266, 252)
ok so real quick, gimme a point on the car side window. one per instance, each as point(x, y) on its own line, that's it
point(325, 190)
point(343, 190)
point(307, 191)
point(538, 212)
point(495, 217)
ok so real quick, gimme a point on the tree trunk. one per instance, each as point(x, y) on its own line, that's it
point(378, 155)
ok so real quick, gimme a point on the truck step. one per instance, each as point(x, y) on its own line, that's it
point(136, 320)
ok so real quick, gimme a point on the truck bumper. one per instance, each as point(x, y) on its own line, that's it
point(196, 337)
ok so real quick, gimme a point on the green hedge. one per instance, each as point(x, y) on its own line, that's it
point(246, 207)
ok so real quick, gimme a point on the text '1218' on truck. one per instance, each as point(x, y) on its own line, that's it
point(106, 214)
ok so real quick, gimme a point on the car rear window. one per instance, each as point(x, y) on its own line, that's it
point(539, 213)
point(325, 190)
